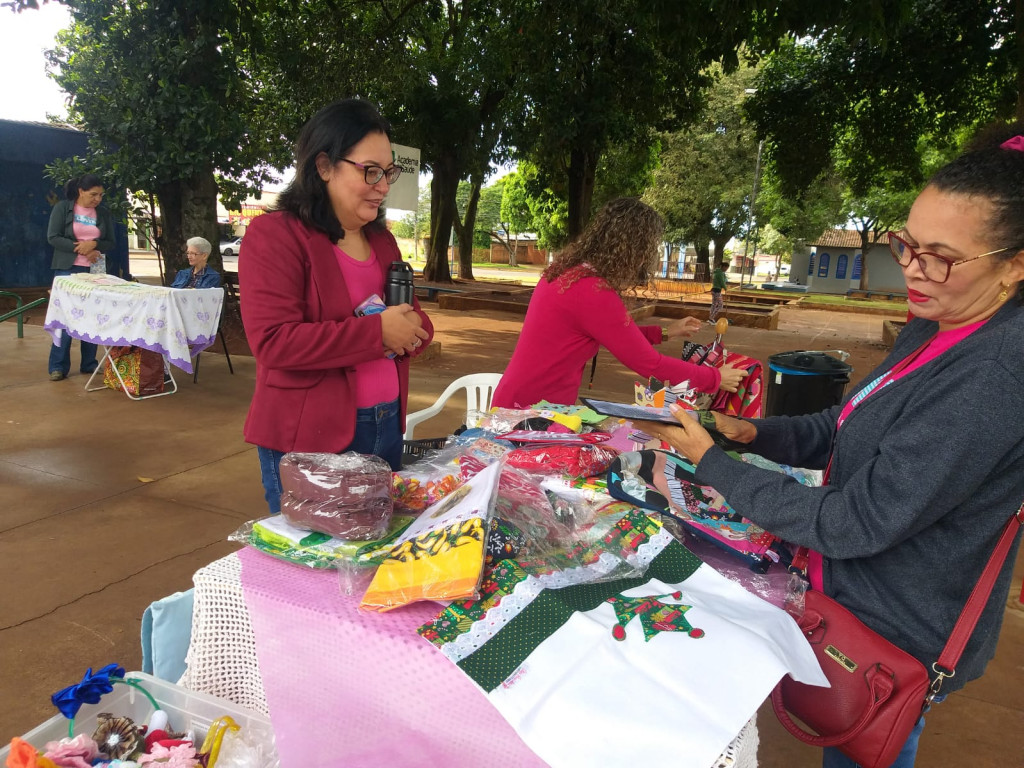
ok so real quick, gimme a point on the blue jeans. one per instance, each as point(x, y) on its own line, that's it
point(833, 758)
point(60, 356)
point(378, 432)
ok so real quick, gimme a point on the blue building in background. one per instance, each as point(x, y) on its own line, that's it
point(27, 197)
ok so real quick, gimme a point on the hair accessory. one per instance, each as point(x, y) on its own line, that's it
point(1005, 292)
point(1016, 144)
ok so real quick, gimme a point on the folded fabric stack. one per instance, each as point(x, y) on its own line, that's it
point(346, 495)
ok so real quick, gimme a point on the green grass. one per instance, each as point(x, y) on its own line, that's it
point(831, 299)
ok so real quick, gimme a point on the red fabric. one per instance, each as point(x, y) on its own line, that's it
point(572, 460)
point(301, 328)
point(745, 402)
point(565, 328)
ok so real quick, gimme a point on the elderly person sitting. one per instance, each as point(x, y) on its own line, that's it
point(198, 275)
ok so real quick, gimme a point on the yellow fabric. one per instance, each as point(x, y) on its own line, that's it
point(414, 572)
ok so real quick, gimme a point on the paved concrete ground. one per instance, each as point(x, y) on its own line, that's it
point(109, 504)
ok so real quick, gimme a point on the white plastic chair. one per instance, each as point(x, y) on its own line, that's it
point(479, 390)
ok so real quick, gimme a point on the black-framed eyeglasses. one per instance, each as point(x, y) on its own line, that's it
point(933, 266)
point(372, 174)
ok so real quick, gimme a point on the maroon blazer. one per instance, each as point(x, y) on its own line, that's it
point(305, 337)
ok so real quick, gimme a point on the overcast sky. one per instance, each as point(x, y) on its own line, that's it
point(26, 93)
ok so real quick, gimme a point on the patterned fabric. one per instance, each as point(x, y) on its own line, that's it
point(106, 310)
point(746, 401)
point(663, 482)
point(141, 371)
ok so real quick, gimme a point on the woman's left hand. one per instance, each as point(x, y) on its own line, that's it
point(689, 438)
point(683, 328)
point(85, 247)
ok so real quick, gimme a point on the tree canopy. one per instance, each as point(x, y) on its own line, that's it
point(160, 87)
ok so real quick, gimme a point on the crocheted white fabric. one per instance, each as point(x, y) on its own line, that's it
point(222, 658)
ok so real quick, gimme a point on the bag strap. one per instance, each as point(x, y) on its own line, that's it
point(881, 683)
point(964, 627)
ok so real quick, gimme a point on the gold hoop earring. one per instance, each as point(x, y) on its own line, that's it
point(1005, 292)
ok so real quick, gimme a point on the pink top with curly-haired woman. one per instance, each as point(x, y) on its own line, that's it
point(577, 308)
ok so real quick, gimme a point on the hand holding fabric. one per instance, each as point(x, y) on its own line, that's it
point(731, 378)
point(689, 438)
point(86, 247)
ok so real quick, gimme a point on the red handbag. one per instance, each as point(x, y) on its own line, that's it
point(878, 690)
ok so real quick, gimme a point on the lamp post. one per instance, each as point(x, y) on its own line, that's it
point(750, 212)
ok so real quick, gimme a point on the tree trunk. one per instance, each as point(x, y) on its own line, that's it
point(702, 270)
point(864, 260)
point(720, 242)
point(443, 187)
point(188, 208)
point(464, 231)
point(1018, 19)
point(582, 167)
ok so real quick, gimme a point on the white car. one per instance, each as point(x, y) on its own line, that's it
point(230, 247)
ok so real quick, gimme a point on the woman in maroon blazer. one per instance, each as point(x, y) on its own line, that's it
point(328, 378)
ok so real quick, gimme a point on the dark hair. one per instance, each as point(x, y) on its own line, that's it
point(81, 183)
point(986, 170)
point(334, 130)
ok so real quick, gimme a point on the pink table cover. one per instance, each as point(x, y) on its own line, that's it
point(350, 688)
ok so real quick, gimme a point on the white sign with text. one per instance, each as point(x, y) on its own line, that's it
point(405, 193)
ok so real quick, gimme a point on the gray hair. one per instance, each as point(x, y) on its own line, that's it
point(201, 244)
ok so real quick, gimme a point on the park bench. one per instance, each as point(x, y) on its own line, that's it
point(890, 296)
point(429, 292)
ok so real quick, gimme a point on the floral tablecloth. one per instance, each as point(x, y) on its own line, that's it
point(107, 310)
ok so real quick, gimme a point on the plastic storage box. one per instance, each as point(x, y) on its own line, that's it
point(186, 711)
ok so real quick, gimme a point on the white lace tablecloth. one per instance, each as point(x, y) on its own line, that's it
point(107, 310)
point(223, 660)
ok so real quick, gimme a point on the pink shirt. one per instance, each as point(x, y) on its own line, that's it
point(376, 380)
point(565, 327)
point(84, 228)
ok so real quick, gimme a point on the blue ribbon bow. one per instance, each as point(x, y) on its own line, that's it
point(89, 691)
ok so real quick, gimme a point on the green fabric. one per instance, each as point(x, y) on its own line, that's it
point(500, 656)
point(719, 280)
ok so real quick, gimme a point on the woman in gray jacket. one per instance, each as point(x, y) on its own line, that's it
point(925, 459)
point(80, 232)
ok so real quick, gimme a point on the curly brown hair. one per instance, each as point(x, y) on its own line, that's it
point(620, 244)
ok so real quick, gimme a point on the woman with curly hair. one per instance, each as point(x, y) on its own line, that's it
point(577, 308)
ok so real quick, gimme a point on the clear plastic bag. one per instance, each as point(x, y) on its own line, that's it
point(530, 527)
point(571, 460)
point(441, 555)
point(277, 537)
point(501, 420)
point(439, 473)
point(347, 495)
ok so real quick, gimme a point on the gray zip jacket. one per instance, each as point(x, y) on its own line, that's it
point(925, 473)
point(61, 235)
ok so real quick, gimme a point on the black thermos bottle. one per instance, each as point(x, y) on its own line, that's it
point(398, 286)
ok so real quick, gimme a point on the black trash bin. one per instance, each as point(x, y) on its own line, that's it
point(804, 382)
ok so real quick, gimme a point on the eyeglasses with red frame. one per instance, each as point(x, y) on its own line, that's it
point(933, 266)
